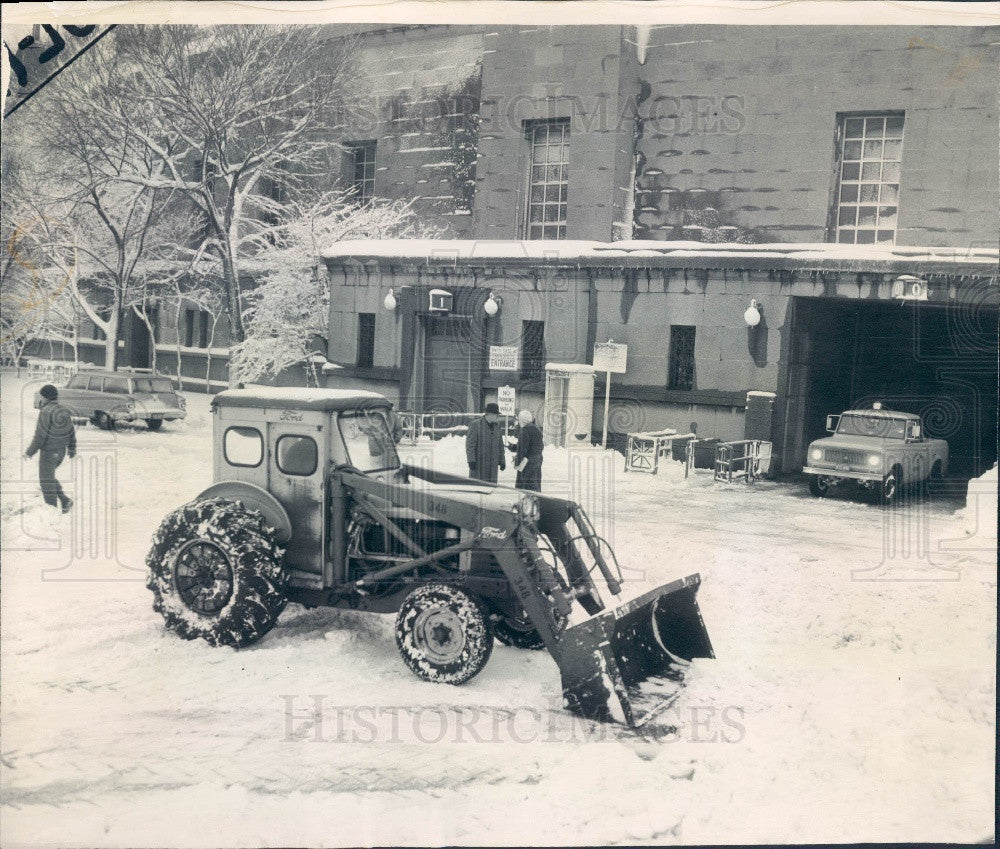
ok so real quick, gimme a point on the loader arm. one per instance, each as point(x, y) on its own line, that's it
point(603, 660)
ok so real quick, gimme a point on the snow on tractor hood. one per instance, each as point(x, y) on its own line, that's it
point(299, 398)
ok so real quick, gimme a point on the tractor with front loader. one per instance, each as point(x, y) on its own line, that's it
point(311, 504)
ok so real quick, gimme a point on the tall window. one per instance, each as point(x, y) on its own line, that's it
point(680, 368)
point(869, 152)
point(532, 350)
point(545, 212)
point(366, 339)
point(196, 329)
point(362, 160)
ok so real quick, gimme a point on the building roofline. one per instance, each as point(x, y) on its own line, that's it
point(778, 256)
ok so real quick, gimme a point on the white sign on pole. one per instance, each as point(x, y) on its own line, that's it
point(610, 356)
point(503, 357)
point(506, 400)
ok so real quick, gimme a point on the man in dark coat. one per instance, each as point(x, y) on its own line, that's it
point(528, 453)
point(55, 437)
point(484, 445)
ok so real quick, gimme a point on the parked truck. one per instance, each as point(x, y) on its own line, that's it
point(884, 452)
point(311, 504)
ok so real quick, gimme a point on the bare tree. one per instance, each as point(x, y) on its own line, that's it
point(235, 119)
point(83, 218)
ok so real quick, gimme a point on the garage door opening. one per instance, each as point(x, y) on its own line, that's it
point(939, 361)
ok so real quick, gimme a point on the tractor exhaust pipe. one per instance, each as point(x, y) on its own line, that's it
point(604, 659)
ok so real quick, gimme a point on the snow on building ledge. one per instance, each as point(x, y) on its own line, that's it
point(776, 256)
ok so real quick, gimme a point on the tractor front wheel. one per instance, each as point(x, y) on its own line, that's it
point(215, 572)
point(444, 634)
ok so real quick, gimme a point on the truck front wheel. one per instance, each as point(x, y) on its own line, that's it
point(215, 572)
point(819, 486)
point(888, 492)
point(443, 634)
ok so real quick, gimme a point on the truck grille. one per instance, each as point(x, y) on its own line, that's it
point(839, 455)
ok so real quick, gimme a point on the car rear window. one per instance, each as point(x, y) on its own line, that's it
point(153, 384)
point(78, 381)
point(118, 385)
point(96, 383)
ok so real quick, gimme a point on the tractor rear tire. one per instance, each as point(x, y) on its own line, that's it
point(444, 634)
point(215, 572)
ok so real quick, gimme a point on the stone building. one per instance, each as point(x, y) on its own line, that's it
point(874, 147)
point(804, 168)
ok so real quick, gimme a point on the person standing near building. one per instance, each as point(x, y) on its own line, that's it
point(528, 453)
point(55, 437)
point(484, 445)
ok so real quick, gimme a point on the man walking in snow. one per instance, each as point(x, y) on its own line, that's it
point(484, 445)
point(55, 437)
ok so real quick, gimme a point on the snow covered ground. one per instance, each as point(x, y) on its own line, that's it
point(845, 703)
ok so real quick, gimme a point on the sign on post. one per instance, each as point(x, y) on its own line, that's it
point(506, 400)
point(609, 357)
point(503, 357)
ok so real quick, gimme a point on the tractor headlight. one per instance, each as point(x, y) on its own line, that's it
point(527, 508)
point(816, 454)
point(874, 459)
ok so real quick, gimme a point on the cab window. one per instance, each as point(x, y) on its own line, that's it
point(297, 455)
point(370, 447)
point(118, 385)
point(243, 446)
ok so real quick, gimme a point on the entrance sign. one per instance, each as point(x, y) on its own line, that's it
point(503, 358)
point(610, 357)
point(506, 400)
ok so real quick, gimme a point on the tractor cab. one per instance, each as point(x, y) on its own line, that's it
point(284, 440)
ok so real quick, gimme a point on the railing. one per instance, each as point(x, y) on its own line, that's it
point(644, 450)
point(417, 426)
point(50, 369)
point(743, 459)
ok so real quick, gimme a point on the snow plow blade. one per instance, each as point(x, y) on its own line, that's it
point(603, 660)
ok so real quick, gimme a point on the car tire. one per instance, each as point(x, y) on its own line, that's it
point(891, 487)
point(215, 571)
point(154, 424)
point(443, 634)
point(819, 486)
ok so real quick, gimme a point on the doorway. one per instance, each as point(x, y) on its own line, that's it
point(915, 357)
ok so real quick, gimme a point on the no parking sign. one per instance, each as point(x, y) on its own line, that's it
point(506, 400)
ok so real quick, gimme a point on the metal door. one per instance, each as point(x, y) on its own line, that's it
point(295, 466)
